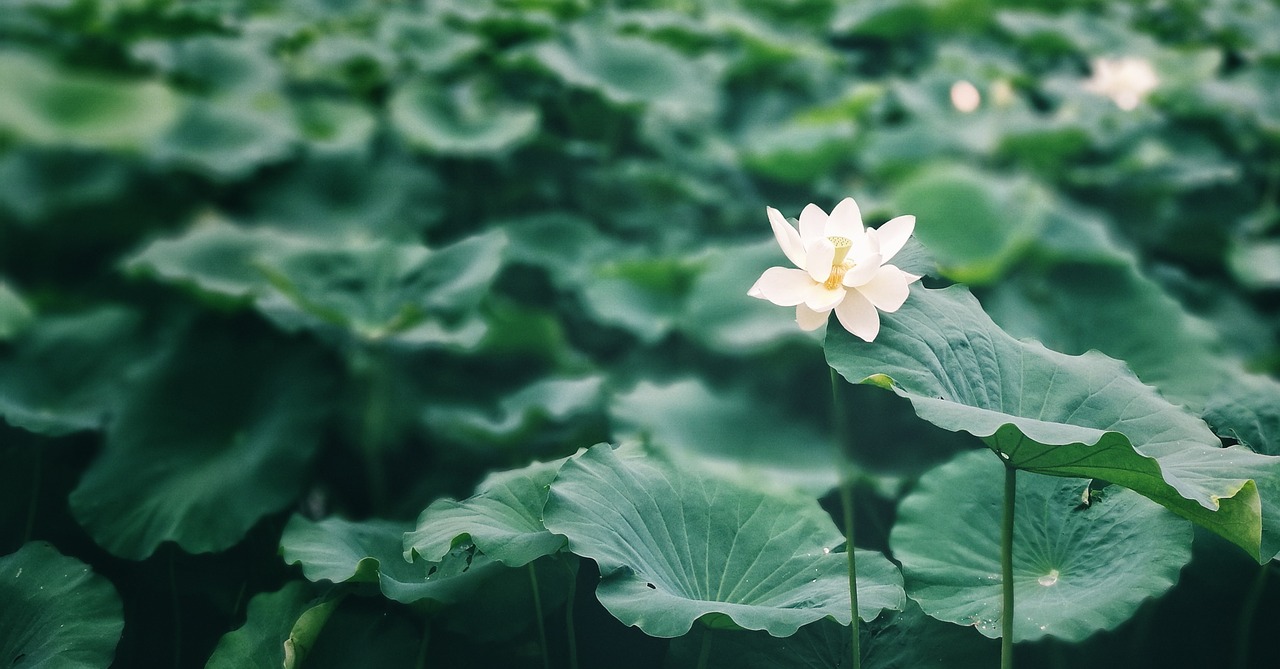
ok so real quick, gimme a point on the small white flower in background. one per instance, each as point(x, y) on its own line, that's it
point(841, 268)
point(965, 96)
point(1125, 80)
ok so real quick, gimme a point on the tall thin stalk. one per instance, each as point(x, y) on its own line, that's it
point(1244, 630)
point(537, 611)
point(846, 509)
point(1006, 569)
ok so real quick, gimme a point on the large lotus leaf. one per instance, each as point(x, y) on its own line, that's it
point(68, 373)
point(974, 224)
point(561, 243)
point(503, 519)
point(42, 104)
point(459, 120)
point(55, 612)
point(227, 138)
point(380, 290)
point(1082, 416)
point(717, 313)
point(371, 634)
point(343, 551)
point(333, 125)
point(799, 151)
point(469, 584)
point(279, 631)
point(1256, 263)
point(1115, 309)
point(427, 42)
point(676, 545)
point(905, 639)
point(373, 290)
point(211, 441)
point(37, 184)
point(215, 258)
point(643, 296)
point(523, 416)
point(342, 195)
point(1078, 567)
point(630, 71)
point(212, 63)
point(15, 313)
point(731, 432)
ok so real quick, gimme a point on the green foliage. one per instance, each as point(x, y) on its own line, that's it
point(1070, 580)
point(1049, 413)
point(292, 274)
point(675, 546)
point(55, 611)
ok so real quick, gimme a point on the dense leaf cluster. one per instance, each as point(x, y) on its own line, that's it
point(293, 292)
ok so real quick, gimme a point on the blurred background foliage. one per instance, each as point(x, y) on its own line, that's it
point(261, 258)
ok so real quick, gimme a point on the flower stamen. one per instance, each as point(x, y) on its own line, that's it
point(838, 264)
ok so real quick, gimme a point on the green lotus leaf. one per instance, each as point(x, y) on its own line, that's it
point(68, 373)
point(225, 139)
point(799, 151)
point(468, 584)
point(523, 416)
point(279, 631)
point(1256, 263)
point(43, 104)
point(55, 611)
point(37, 184)
point(630, 71)
point(15, 313)
point(369, 633)
point(676, 545)
point(643, 296)
point(1085, 416)
point(343, 551)
point(1077, 568)
point(337, 195)
point(212, 63)
point(372, 290)
point(729, 432)
point(1115, 309)
point(738, 325)
point(461, 120)
point(503, 519)
point(974, 224)
point(904, 639)
point(214, 257)
point(334, 125)
point(342, 61)
point(427, 42)
point(210, 441)
point(381, 290)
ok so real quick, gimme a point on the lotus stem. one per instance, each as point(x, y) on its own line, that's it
point(569, 630)
point(1006, 569)
point(846, 509)
point(537, 612)
point(705, 652)
point(1244, 630)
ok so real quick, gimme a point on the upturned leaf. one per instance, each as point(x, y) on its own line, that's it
point(1082, 416)
point(503, 519)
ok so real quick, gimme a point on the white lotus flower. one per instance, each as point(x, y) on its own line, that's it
point(841, 268)
point(1125, 80)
